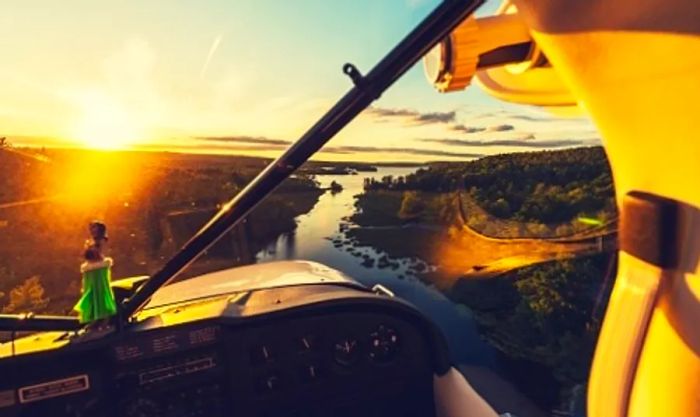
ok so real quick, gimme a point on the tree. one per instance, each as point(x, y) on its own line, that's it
point(27, 296)
point(412, 206)
point(336, 187)
point(501, 208)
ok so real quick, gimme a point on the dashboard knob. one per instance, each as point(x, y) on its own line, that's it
point(261, 354)
point(269, 383)
point(307, 343)
point(272, 382)
point(310, 372)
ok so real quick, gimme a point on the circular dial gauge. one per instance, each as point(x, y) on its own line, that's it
point(346, 351)
point(383, 344)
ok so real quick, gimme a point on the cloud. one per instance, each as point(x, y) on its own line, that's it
point(466, 129)
point(384, 112)
point(436, 117)
point(412, 116)
point(409, 151)
point(244, 139)
point(530, 118)
point(500, 128)
point(527, 141)
point(210, 147)
point(477, 129)
point(259, 143)
point(212, 50)
point(417, 118)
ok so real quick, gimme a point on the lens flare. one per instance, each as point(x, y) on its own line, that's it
point(105, 123)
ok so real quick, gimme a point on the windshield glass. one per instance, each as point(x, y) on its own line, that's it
point(496, 220)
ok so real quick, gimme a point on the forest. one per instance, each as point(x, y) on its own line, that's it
point(151, 202)
point(544, 318)
point(544, 187)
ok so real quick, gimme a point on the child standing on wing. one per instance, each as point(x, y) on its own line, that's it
point(97, 303)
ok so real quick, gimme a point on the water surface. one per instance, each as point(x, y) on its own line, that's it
point(314, 239)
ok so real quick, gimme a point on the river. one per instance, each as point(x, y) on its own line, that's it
point(313, 240)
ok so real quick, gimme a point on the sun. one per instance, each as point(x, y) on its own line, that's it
point(105, 123)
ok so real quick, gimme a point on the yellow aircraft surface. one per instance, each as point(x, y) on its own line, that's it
point(229, 342)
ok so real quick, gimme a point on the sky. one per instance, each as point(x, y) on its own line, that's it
point(244, 77)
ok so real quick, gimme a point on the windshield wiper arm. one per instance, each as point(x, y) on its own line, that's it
point(429, 32)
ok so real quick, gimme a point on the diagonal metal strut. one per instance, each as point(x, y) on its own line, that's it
point(366, 89)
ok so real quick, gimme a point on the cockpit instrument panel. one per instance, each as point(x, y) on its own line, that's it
point(344, 357)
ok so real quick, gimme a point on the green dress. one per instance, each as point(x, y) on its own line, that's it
point(97, 301)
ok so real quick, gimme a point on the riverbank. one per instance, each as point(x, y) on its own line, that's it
point(323, 235)
point(536, 289)
point(275, 217)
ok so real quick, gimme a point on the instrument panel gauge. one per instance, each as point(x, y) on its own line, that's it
point(383, 344)
point(346, 351)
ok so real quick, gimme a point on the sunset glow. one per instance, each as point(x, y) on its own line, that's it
point(193, 81)
point(105, 124)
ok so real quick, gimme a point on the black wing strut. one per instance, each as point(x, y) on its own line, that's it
point(366, 89)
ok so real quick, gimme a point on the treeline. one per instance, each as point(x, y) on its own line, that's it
point(543, 187)
point(335, 168)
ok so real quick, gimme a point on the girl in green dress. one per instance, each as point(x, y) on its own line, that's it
point(97, 304)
